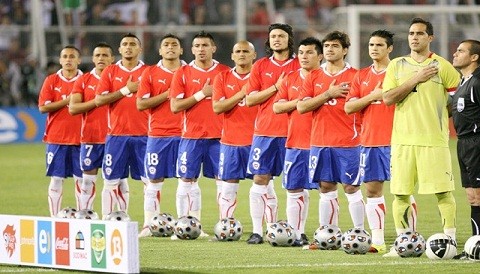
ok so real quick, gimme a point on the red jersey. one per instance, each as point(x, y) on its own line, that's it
point(94, 122)
point(162, 122)
point(265, 73)
point(237, 122)
point(61, 128)
point(299, 125)
point(199, 121)
point(124, 119)
point(377, 118)
point(331, 126)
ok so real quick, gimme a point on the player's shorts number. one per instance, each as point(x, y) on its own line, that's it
point(108, 159)
point(152, 159)
point(313, 162)
point(256, 154)
point(183, 158)
point(287, 166)
point(50, 157)
point(89, 150)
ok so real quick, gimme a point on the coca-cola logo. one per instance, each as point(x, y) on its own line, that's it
point(61, 243)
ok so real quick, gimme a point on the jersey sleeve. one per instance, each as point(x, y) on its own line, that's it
point(144, 88)
point(254, 82)
point(79, 85)
point(104, 85)
point(282, 93)
point(355, 88)
point(218, 85)
point(389, 82)
point(177, 87)
point(450, 77)
point(307, 88)
point(46, 94)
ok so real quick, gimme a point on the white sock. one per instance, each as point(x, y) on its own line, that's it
point(123, 195)
point(257, 207)
point(109, 196)
point(151, 201)
point(78, 190)
point(219, 184)
point(451, 232)
point(375, 210)
point(356, 206)
point(87, 197)
point(328, 208)
point(55, 192)
point(228, 199)
point(183, 198)
point(272, 203)
point(295, 208)
point(412, 219)
point(306, 202)
point(195, 201)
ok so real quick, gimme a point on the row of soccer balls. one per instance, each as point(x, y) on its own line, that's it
point(329, 237)
point(89, 214)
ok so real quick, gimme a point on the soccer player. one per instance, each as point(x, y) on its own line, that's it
point(295, 170)
point(268, 146)
point(418, 84)
point(365, 97)
point(94, 122)
point(334, 144)
point(238, 120)
point(62, 131)
point(164, 126)
point(127, 137)
point(191, 94)
point(466, 118)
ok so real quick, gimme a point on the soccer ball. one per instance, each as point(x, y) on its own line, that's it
point(328, 237)
point(410, 244)
point(188, 228)
point(356, 241)
point(228, 229)
point(162, 225)
point(441, 247)
point(280, 234)
point(118, 216)
point(67, 213)
point(86, 214)
point(472, 248)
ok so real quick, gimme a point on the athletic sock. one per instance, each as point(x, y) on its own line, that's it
point(448, 210)
point(306, 203)
point(475, 219)
point(151, 201)
point(109, 196)
point(412, 220)
point(123, 195)
point(271, 203)
point(55, 192)
point(375, 211)
point(295, 207)
point(401, 210)
point(356, 207)
point(195, 201)
point(257, 206)
point(228, 199)
point(183, 198)
point(328, 208)
point(78, 191)
point(88, 191)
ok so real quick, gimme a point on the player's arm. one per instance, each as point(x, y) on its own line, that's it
point(357, 104)
point(146, 103)
point(180, 104)
point(261, 96)
point(399, 93)
point(54, 106)
point(221, 106)
point(108, 98)
point(283, 106)
point(77, 106)
point(333, 91)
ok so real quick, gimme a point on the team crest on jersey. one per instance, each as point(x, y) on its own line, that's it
point(256, 165)
point(183, 168)
point(152, 170)
point(460, 104)
point(10, 239)
point(87, 161)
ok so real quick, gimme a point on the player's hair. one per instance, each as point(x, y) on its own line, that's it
point(131, 35)
point(203, 34)
point(312, 41)
point(74, 48)
point(104, 45)
point(474, 47)
point(385, 34)
point(342, 37)
point(288, 29)
point(171, 35)
point(418, 20)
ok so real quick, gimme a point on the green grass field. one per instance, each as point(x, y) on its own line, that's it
point(23, 191)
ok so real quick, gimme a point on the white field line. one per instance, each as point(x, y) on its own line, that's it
point(218, 267)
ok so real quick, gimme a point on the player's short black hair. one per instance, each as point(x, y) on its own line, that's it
point(418, 20)
point(474, 47)
point(385, 34)
point(133, 36)
point(171, 35)
point(204, 34)
point(74, 48)
point(340, 36)
point(312, 41)
point(104, 45)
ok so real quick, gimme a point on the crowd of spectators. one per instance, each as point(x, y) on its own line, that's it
point(21, 76)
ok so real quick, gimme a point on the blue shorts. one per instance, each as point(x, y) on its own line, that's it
point(295, 170)
point(161, 157)
point(63, 160)
point(193, 152)
point(123, 154)
point(91, 156)
point(267, 155)
point(233, 162)
point(374, 164)
point(334, 164)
